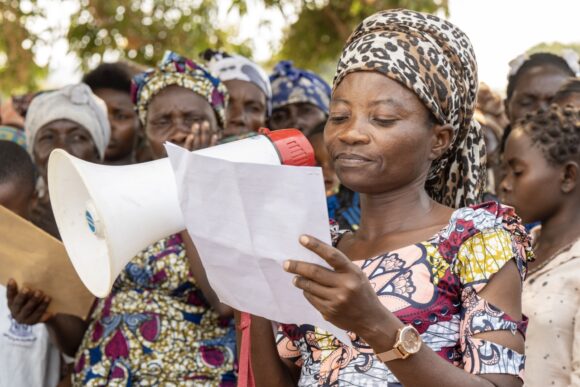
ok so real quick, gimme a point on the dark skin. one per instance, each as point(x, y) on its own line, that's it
point(323, 160)
point(125, 126)
point(16, 195)
point(247, 108)
point(382, 144)
point(304, 116)
point(29, 306)
point(63, 134)
point(180, 116)
point(534, 90)
point(541, 191)
point(170, 113)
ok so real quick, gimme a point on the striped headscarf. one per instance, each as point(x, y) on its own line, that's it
point(435, 60)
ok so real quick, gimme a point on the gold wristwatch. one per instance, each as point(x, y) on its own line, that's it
point(408, 343)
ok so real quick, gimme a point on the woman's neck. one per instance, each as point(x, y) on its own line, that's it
point(397, 211)
point(558, 231)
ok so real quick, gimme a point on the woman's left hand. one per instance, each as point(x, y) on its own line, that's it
point(344, 296)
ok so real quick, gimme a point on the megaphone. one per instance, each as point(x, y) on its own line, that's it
point(108, 214)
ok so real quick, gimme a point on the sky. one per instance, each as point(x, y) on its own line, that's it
point(499, 31)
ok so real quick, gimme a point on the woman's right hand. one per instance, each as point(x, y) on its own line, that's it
point(27, 306)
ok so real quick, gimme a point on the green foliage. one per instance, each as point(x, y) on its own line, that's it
point(316, 39)
point(555, 48)
point(141, 30)
point(18, 71)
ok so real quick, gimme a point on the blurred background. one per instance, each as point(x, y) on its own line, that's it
point(49, 43)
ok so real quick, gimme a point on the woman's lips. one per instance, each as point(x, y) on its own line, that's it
point(351, 159)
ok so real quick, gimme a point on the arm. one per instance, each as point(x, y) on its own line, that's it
point(201, 278)
point(29, 306)
point(269, 368)
point(345, 298)
point(67, 332)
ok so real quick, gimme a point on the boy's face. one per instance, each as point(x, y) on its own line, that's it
point(15, 198)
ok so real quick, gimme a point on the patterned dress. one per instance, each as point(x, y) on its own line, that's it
point(156, 328)
point(434, 286)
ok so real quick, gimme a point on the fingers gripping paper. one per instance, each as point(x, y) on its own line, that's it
point(36, 260)
point(245, 220)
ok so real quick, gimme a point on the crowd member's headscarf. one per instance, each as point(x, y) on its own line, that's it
point(236, 67)
point(8, 133)
point(435, 60)
point(75, 103)
point(294, 85)
point(177, 70)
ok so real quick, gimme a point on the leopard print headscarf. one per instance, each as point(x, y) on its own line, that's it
point(435, 60)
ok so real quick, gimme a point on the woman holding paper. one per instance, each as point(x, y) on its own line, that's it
point(429, 286)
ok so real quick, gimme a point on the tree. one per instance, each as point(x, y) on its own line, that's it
point(316, 39)
point(18, 71)
point(141, 30)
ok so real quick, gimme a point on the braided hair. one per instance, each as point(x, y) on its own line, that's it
point(555, 131)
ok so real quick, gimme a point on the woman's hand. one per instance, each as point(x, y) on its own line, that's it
point(201, 137)
point(27, 306)
point(344, 296)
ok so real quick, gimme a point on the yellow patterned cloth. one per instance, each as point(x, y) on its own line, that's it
point(432, 285)
point(156, 328)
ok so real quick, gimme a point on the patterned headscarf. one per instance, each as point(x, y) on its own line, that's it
point(229, 67)
point(294, 85)
point(177, 70)
point(8, 133)
point(435, 60)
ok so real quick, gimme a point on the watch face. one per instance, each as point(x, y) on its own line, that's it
point(410, 340)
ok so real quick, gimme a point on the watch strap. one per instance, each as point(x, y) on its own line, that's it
point(393, 354)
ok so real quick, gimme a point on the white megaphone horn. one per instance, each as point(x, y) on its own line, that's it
point(108, 214)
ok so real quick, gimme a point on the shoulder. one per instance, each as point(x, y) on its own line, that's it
point(480, 239)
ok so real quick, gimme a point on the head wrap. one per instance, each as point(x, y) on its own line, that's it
point(294, 85)
point(236, 67)
point(177, 70)
point(8, 133)
point(434, 59)
point(75, 103)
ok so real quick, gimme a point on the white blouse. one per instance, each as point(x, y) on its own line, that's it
point(551, 300)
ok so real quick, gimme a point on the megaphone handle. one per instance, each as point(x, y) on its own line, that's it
point(245, 372)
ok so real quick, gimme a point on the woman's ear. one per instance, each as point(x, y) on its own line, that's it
point(443, 135)
point(569, 180)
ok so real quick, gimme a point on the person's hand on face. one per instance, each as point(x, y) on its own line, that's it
point(344, 296)
point(27, 306)
point(201, 137)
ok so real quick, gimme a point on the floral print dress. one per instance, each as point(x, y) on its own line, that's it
point(156, 328)
point(432, 285)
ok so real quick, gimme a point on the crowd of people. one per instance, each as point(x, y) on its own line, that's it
point(455, 219)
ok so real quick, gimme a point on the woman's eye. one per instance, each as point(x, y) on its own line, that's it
point(337, 118)
point(384, 122)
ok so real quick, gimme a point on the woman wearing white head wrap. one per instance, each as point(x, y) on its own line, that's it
point(249, 88)
point(73, 119)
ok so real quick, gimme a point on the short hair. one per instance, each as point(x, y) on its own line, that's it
point(555, 131)
point(16, 164)
point(115, 76)
point(572, 86)
point(537, 60)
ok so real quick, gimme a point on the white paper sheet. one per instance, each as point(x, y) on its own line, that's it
point(245, 220)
